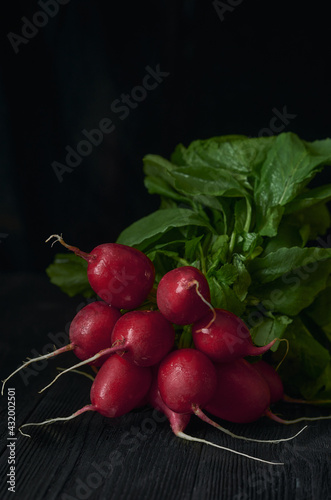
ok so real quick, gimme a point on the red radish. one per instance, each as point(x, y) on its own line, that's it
point(91, 329)
point(183, 295)
point(187, 380)
point(242, 395)
point(89, 332)
point(272, 378)
point(225, 337)
point(118, 387)
point(179, 421)
point(121, 275)
point(143, 338)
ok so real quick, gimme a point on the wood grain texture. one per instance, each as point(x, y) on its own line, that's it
point(135, 456)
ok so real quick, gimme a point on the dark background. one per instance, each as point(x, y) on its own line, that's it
point(227, 74)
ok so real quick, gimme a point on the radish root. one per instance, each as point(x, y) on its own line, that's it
point(79, 372)
point(66, 348)
point(200, 414)
point(274, 417)
point(196, 283)
point(286, 352)
point(108, 350)
point(288, 399)
point(182, 435)
point(58, 419)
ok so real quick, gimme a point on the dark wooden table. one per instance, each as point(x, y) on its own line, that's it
point(135, 456)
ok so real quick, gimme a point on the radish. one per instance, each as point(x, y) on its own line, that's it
point(179, 422)
point(142, 337)
point(272, 378)
point(121, 275)
point(91, 329)
point(183, 295)
point(118, 388)
point(89, 332)
point(242, 394)
point(225, 337)
point(187, 380)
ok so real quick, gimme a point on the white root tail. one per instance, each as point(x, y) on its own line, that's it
point(68, 347)
point(82, 363)
point(58, 419)
point(182, 435)
point(274, 417)
point(79, 372)
point(199, 413)
point(58, 237)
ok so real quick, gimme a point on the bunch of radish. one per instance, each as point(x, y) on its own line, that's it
point(137, 362)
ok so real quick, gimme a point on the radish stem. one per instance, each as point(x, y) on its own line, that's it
point(77, 251)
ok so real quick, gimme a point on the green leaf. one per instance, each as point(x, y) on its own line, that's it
point(305, 361)
point(288, 236)
point(243, 281)
point(207, 181)
point(69, 273)
point(319, 388)
point(269, 329)
point(240, 215)
point(284, 260)
point(236, 153)
point(218, 252)
point(268, 221)
point(223, 297)
point(320, 148)
point(148, 229)
point(249, 244)
point(156, 166)
point(311, 222)
point(295, 290)
point(309, 198)
point(192, 248)
point(227, 274)
point(320, 309)
point(289, 166)
point(157, 185)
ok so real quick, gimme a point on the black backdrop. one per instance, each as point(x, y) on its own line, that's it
point(227, 67)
